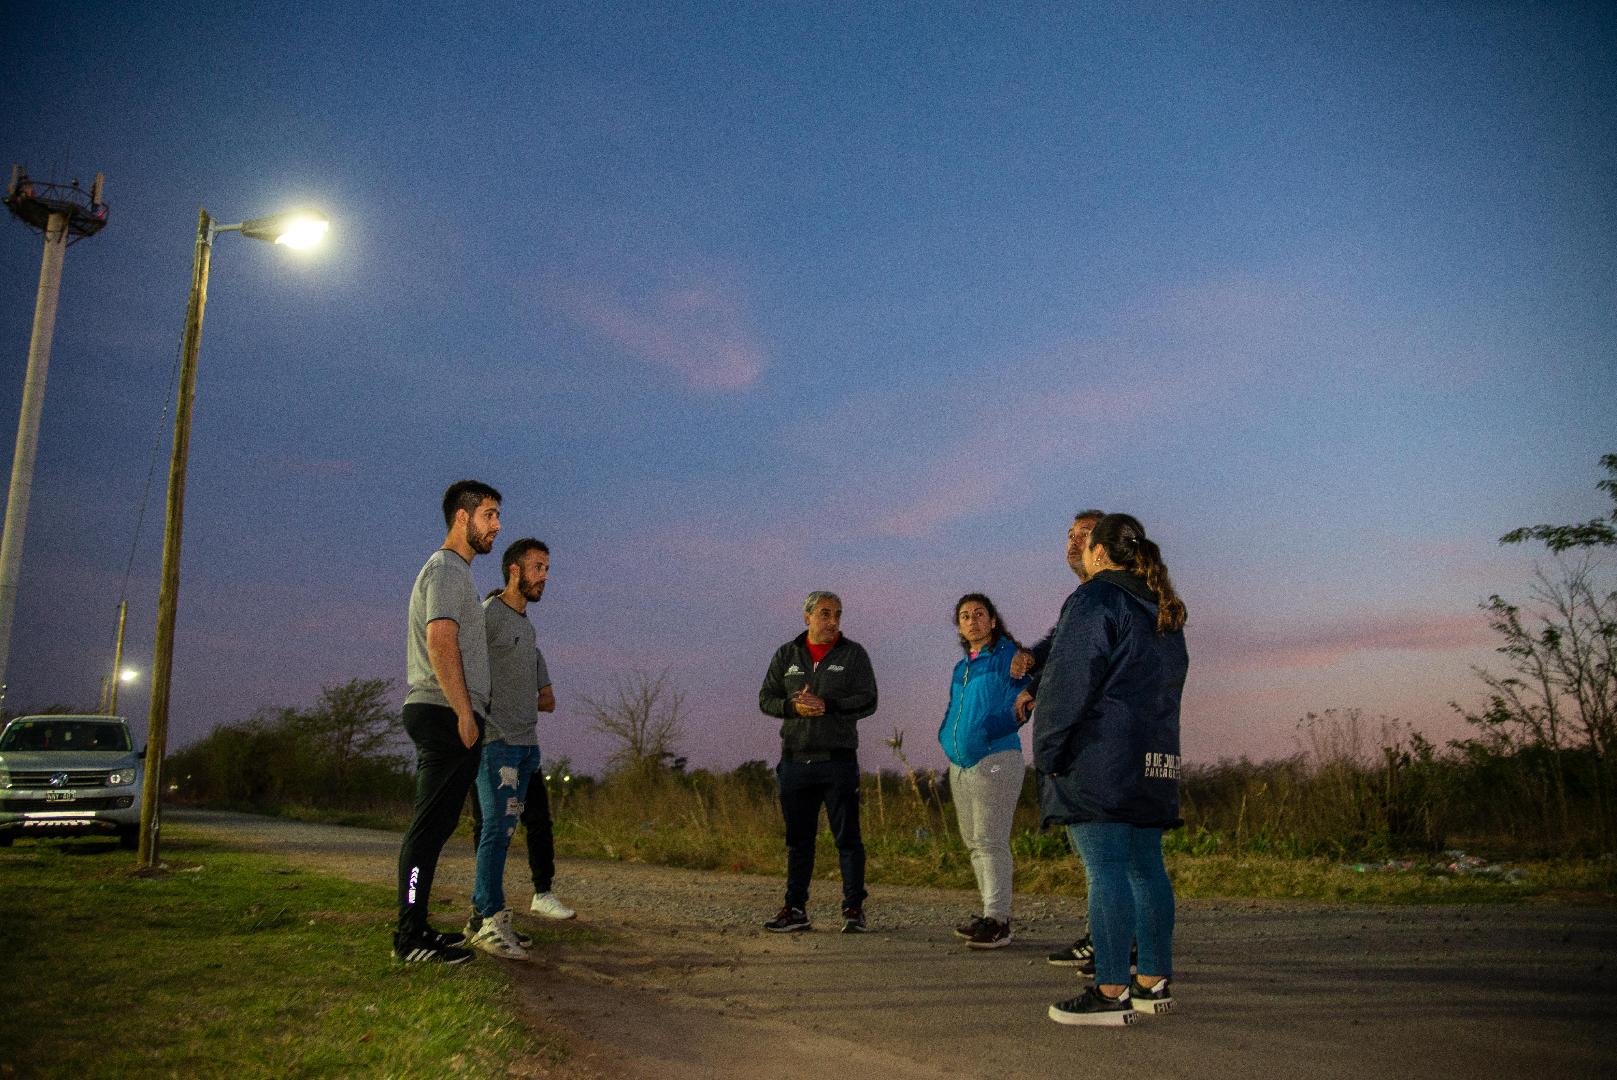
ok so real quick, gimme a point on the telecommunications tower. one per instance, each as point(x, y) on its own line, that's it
point(65, 213)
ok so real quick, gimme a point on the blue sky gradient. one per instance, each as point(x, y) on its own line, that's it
point(738, 302)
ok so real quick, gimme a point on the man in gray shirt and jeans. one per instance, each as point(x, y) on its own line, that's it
point(446, 662)
point(521, 677)
point(511, 754)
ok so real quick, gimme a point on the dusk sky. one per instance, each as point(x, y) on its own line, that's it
point(737, 302)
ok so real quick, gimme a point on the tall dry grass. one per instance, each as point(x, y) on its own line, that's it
point(1355, 790)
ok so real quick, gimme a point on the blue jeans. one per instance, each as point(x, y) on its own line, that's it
point(1130, 898)
point(502, 787)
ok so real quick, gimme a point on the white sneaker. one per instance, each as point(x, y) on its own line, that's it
point(546, 904)
point(496, 937)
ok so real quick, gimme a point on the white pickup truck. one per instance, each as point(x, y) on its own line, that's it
point(69, 775)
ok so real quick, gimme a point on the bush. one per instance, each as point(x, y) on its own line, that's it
point(337, 754)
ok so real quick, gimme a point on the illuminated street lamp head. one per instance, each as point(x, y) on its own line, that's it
point(128, 674)
point(300, 229)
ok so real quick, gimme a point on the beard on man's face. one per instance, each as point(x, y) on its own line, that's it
point(482, 543)
point(532, 590)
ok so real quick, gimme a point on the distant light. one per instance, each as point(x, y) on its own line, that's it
point(303, 232)
point(128, 674)
point(566, 779)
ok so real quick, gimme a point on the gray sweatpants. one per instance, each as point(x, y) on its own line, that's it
point(985, 801)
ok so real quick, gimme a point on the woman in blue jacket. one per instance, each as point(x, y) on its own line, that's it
point(1106, 745)
point(985, 760)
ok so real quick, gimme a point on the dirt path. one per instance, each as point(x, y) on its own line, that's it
point(666, 975)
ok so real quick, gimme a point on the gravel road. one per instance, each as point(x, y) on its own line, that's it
point(666, 974)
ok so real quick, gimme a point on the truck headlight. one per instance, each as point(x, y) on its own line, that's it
point(121, 778)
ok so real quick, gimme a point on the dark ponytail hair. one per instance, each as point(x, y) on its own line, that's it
point(1123, 539)
point(999, 630)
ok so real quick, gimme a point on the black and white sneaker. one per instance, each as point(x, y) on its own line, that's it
point(965, 930)
point(853, 921)
point(475, 923)
point(448, 939)
point(1094, 1007)
point(1086, 966)
point(1156, 1000)
point(426, 949)
point(1081, 955)
point(1073, 955)
point(790, 919)
point(990, 934)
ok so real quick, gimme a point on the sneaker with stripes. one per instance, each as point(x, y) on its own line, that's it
point(427, 949)
point(475, 923)
point(1081, 955)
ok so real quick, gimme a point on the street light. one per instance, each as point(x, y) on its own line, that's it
point(109, 689)
point(300, 229)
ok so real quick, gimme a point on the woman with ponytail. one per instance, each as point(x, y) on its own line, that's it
point(1106, 745)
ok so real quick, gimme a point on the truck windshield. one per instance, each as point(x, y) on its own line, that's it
point(37, 735)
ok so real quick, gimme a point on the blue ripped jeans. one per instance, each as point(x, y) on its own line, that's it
point(502, 788)
point(1130, 898)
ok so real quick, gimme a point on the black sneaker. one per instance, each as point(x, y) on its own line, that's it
point(448, 939)
point(853, 921)
point(1158, 999)
point(475, 923)
point(1073, 955)
point(789, 919)
point(426, 949)
point(1094, 1007)
point(1086, 966)
point(965, 930)
point(991, 934)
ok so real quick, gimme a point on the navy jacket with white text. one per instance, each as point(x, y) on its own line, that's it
point(1106, 719)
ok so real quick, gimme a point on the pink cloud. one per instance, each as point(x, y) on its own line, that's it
point(1326, 643)
point(699, 330)
point(958, 480)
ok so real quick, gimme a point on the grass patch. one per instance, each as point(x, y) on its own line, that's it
point(236, 965)
point(1277, 877)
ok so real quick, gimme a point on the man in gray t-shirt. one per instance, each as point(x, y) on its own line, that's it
point(446, 658)
point(511, 754)
point(445, 590)
point(522, 684)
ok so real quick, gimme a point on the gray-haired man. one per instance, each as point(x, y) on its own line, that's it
point(820, 684)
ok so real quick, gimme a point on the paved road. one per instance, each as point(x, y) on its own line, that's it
point(666, 975)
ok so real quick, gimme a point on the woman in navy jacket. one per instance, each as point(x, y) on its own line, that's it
point(1106, 745)
point(985, 760)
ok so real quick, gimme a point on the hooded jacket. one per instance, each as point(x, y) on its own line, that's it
point(981, 718)
point(1106, 722)
point(844, 679)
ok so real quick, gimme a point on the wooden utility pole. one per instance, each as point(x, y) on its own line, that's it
point(168, 594)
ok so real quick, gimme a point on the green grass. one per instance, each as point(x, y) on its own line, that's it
point(1280, 877)
point(231, 965)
